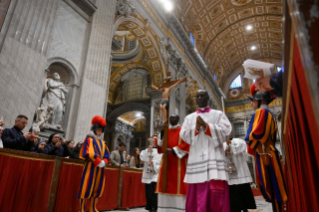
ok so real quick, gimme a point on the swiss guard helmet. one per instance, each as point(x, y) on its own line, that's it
point(98, 122)
point(260, 96)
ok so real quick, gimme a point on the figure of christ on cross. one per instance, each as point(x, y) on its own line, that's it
point(166, 88)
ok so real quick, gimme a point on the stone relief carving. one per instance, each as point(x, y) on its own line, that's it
point(125, 130)
point(164, 52)
point(125, 7)
point(55, 94)
point(44, 117)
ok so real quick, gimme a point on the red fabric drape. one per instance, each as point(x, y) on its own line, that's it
point(69, 183)
point(302, 145)
point(70, 180)
point(108, 200)
point(24, 184)
point(133, 190)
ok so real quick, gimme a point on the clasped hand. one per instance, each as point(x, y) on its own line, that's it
point(200, 123)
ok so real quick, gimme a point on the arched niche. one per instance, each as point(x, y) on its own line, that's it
point(132, 86)
point(69, 76)
point(121, 74)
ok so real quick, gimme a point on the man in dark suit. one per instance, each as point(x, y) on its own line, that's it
point(14, 138)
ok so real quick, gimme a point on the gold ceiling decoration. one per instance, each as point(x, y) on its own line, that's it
point(131, 117)
point(219, 27)
point(148, 40)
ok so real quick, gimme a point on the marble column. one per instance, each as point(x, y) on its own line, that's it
point(24, 40)
point(95, 81)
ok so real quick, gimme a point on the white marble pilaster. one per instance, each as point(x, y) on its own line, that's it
point(96, 75)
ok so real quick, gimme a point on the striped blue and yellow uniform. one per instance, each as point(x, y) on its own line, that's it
point(261, 137)
point(93, 151)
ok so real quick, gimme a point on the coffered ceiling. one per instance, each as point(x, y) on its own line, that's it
point(222, 37)
point(132, 117)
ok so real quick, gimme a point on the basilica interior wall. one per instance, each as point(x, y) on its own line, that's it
point(25, 37)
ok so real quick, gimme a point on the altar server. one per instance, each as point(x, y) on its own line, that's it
point(152, 160)
point(174, 198)
point(240, 193)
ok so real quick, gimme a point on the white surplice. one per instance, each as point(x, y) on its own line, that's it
point(206, 158)
point(145, 156)
point(238, 148)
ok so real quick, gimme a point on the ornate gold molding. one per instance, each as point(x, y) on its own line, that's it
point(240, 108)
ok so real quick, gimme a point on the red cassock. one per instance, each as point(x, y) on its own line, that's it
point(176, 167)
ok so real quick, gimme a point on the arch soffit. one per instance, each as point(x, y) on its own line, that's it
point(73, 72)
point(148, 40)
point(126, 108)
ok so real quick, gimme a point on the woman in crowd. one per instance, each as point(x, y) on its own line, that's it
point(56, 146)
point(76, 151)
point(136, 162)
point(39, 147)
point(70, 145)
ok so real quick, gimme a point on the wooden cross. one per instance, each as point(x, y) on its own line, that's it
point(168, 84)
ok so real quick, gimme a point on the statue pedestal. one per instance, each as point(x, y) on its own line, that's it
point(45, 133)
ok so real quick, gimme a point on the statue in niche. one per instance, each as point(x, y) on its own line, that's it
point(44, 116)
point(54, 94)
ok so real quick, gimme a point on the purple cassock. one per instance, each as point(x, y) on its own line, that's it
point(212, 196)
point(206, 175)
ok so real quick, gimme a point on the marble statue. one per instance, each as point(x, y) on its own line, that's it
point(54, 94)
point(44, 117)
point(125, 7)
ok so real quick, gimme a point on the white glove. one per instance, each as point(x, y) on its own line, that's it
point(101, 164)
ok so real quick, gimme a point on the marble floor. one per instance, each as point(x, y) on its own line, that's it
point(262, 206)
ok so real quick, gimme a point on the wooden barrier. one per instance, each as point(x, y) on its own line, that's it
point(36, 182)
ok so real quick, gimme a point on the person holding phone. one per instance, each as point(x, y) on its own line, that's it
point(56, 146)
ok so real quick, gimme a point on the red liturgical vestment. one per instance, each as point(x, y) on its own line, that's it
point(176, 166)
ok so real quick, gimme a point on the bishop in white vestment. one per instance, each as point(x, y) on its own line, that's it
point(240, 193)
point(206, 130)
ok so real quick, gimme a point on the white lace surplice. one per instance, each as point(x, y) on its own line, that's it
point(238, 148)
point(206, 160)
point(150, 177)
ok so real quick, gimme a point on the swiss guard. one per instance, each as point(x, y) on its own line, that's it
point(261, 138)
point(96, 155)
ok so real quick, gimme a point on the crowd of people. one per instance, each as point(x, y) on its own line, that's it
point(14, 138)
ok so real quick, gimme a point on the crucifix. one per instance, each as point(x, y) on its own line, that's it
point(202, 155)
point(166, 88)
